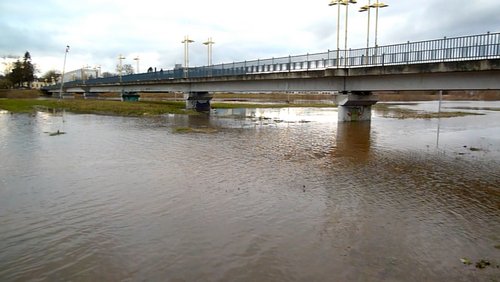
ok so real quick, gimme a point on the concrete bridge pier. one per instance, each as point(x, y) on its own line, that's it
point(198, 100)
point(355, 105)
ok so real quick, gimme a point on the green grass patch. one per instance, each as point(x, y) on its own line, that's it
point(95, 107)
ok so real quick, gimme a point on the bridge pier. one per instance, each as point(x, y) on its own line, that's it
point(355, 106)
point(198, 100)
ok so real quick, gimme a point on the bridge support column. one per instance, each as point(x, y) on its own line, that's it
point(355, 106)
point(198, 100)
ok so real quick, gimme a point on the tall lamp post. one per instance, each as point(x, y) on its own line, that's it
point(137, 60)
point(366, 8)
point(346, 4)
point(377, 5)
point(120, 66)
point(186, 42)
point(62, 75)
point(338, 3)
point(209, 44)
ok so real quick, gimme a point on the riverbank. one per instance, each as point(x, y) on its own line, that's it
point(20, 93)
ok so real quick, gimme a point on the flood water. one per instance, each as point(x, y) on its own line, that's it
point(250, 195)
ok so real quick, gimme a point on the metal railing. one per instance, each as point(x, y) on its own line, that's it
point(465, 48)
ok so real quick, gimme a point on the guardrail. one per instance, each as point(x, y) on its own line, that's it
point(474, 47)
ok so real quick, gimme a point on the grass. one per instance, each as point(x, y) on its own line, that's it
point(107, 107)
point(95, 107)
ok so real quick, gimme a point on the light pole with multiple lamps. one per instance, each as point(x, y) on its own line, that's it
point(63, 70)
point(186, 42)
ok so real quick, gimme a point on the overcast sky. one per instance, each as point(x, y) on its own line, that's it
point(99, 30)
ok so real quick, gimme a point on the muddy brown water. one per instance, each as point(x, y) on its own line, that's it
point(250, 195)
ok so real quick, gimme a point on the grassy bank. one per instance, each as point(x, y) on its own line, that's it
point(94, 107)
point(123, 108)
point(20, 93)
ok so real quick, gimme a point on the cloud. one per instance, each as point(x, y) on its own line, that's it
point(99, 30)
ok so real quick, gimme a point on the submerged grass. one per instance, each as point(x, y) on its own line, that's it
point(392, 111)
point(94, 107)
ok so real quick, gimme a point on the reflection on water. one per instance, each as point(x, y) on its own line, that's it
point(265, 195)
point(353, 141)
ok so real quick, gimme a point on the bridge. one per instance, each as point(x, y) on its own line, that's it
point(457, 63)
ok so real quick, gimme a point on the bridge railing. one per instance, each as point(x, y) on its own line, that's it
point(474, 47)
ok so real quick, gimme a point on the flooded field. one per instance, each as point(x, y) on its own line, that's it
point(251, 195)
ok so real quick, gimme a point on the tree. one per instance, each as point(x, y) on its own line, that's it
point(22, 72)
point(51, 76)
point(125, 69)
point(108, 74)
point(16, 74)
point(5, 83)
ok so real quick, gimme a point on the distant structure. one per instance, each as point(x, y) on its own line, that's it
point(84, 73)
point(38, 84)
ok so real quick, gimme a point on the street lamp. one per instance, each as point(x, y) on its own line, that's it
point(366, 8)
point(62, 75)
point(120, 66)
point(377, 5)
point(346, 4)
point(338, 3)
point(209, 44)
point(186, 42)
point(137, 59)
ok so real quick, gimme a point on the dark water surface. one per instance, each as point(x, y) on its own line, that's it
point(250, 195)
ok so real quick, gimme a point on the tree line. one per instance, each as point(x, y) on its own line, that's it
point(22, 73)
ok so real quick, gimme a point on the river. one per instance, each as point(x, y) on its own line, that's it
point(250, 195)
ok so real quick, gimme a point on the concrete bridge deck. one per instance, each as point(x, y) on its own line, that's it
point(461, 63)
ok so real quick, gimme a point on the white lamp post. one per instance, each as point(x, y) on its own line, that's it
point(137, 60)
point(346, 4)
point(186, 42)
point(366, 8)
point(209, 44)
point(62, 75)
point(377, 5)
point(120, 66)
point(338, 3)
